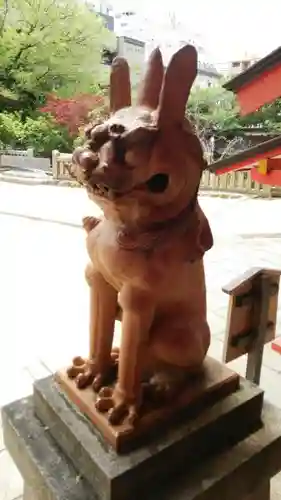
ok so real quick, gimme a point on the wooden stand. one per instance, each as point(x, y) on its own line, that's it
point(251, 321)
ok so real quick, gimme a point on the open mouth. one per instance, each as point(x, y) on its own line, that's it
point(102, 191)
point(156, 184)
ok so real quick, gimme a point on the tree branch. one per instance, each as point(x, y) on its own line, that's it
point(5, 13)
point(14, 63)
point(9, 104)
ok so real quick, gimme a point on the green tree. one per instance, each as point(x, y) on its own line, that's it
point(214, 112)
point(48, 46)
point(212, 109)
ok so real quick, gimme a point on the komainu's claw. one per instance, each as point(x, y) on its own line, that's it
point(118, 407)
point(104, 401)
point(78, 366)
point(87, 372)
point(85, 379)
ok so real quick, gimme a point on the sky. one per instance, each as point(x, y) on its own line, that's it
point(230, 29)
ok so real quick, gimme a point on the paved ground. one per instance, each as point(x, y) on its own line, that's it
point(43, 320)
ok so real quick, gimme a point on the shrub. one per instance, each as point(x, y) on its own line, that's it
point(11, 131)
point(44, 135)
point(39, 132)
point(58, 125)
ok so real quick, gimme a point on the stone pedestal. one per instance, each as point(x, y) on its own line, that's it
point(229, 451)
point(181, 446)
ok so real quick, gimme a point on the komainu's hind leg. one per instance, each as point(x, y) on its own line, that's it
point(180, 353)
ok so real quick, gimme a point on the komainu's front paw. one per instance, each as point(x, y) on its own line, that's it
point(90, 223)
point(118, 406)
point(87, 372)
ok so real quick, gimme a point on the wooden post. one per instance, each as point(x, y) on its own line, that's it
point(231, 181)
point(213, 181)
point(224, 182)
point(206, 179)
point(55, 155)
point(30, 152)
point(266, 191)
point(29, 493)
point(249, 183)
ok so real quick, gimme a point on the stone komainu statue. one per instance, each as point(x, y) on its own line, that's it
point(143, 167)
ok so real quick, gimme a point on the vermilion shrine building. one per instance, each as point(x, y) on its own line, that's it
point(258, 85)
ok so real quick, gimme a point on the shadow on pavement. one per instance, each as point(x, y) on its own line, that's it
point(41, 219)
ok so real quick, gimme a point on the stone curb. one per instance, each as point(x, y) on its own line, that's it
point(32, 181)
point(221, 194)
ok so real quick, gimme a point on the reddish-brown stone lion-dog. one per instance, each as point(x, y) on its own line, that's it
point(143, 167)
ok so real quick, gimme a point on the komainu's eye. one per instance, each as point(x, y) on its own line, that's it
point(158, 183)
point(98, 137)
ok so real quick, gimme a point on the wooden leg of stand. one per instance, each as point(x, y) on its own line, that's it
point(261, 493)
point(29, 493)
point(255, 356)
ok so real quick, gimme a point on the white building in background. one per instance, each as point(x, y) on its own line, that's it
point(101, 6)
point(240, 65)
point(134, 51)
point(242, 62)
point(168, 34)
point(139, 32)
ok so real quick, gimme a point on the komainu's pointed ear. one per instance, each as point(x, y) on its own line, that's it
point(120, 86)
point(179, 77)
point(150, 87)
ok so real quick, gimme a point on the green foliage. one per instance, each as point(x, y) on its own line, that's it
point(44, 135)
point(268, 117)
point(11, 131)
point(215, 110)
point(212, 108)
point(49, 46)
point(39, 132)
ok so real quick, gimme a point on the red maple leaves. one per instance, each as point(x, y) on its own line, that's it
point(75, 112)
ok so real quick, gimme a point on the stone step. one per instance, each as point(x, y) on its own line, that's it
point(48, 475)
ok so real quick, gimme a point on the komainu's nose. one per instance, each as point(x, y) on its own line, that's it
point(86, 159)
point(116, 129)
